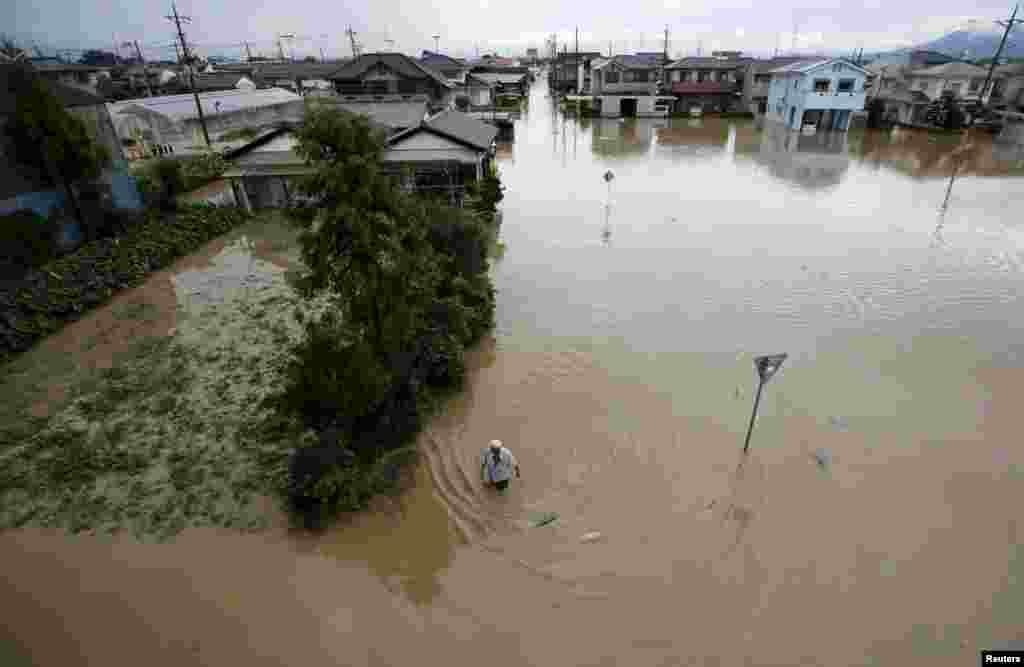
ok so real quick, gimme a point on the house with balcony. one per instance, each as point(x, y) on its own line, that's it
point(372, 76)
point(628, 85)
point(822, 93)
point(709, 84)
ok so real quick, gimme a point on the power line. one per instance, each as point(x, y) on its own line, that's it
point(1009, 25)
point(188, 60)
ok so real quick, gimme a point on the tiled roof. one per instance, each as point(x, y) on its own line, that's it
point(391, 115)
point(710, 63)
point(639, 61)
point(398, 62)
point(439, 60)
point(460, 126)
point(951, 69)
point(766, 66)
point(495, 78)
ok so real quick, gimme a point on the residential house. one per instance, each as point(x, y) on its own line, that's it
point(390, 115)
point(757, 80)
point(509, 82)
point(86, 77)
point(450, 68)
point(710, 84)
point(532, 56)
point(900, 104)
point(912, 59)
point(443, 153)
point(571, 72)
point(625, 75)
point(171, 123)
point(824, 93)
point(299, 77)
point(963, 80)
point(379, 74)
point(628, 85)
point(21, 187)
point(1008, 91)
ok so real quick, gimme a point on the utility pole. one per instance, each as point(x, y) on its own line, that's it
point(436, 47)
point(145, 70)
point(177, 19)
point(323, 58)
point(248, 53)
point(1009, 25)
point(609, 49)
point(352, 40)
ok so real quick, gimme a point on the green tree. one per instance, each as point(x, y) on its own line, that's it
point(44, 136)
point(368, 244)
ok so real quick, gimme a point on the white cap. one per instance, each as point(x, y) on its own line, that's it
point(496, 444)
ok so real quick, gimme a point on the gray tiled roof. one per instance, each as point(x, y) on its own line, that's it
point(461, 126)
point(398, 62)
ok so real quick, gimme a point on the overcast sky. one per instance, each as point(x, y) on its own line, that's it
point(507, 26)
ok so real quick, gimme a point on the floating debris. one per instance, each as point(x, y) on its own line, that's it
point(591, 537)
point(839, 423)
point(823, 457)
point(543, 519)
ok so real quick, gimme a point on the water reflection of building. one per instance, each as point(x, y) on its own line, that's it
point(921, 154)
point(693, 137)
point(811, 161)
point(625, 136)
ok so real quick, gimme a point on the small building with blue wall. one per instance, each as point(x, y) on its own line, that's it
point(823, 93)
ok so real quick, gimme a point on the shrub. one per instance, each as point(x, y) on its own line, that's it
point(27, 240)
point(241, 133)
point(67, 287)
point(199, 170)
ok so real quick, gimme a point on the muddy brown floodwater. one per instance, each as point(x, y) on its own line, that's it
point(621, 376)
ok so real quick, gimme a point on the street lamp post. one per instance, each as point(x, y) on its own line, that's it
point(766, 368)
point(436, 47)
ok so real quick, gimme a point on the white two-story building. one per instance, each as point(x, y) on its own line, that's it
point(822, 93)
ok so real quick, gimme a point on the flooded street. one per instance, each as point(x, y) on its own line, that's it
point(621, 376)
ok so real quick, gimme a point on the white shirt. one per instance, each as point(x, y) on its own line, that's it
point(500, 471)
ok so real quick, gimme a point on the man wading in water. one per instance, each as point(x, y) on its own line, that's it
point(497, 464)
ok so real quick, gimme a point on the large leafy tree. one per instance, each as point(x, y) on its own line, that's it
point(368, 244)
point(45, 136)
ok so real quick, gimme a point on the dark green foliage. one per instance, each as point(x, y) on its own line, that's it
point(66, 288)
point(198, 170)
point(241, 133)
point(47, 138)
point(27, 240)
point(408, 283)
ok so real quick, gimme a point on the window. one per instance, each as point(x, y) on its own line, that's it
point(955, 87)
point(845, 86)
point(885, 83)
point(822, 85)
point(762, 78)
point(795, 81)
point(975, 85)
point(723, 76)
point(407, 87)
point(703, 75)
point(838, 67)
point(611, 76)
point(640, 75)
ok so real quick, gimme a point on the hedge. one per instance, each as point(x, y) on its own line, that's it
point(63, 290)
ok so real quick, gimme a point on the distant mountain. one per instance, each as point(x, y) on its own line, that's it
point(973, 45)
